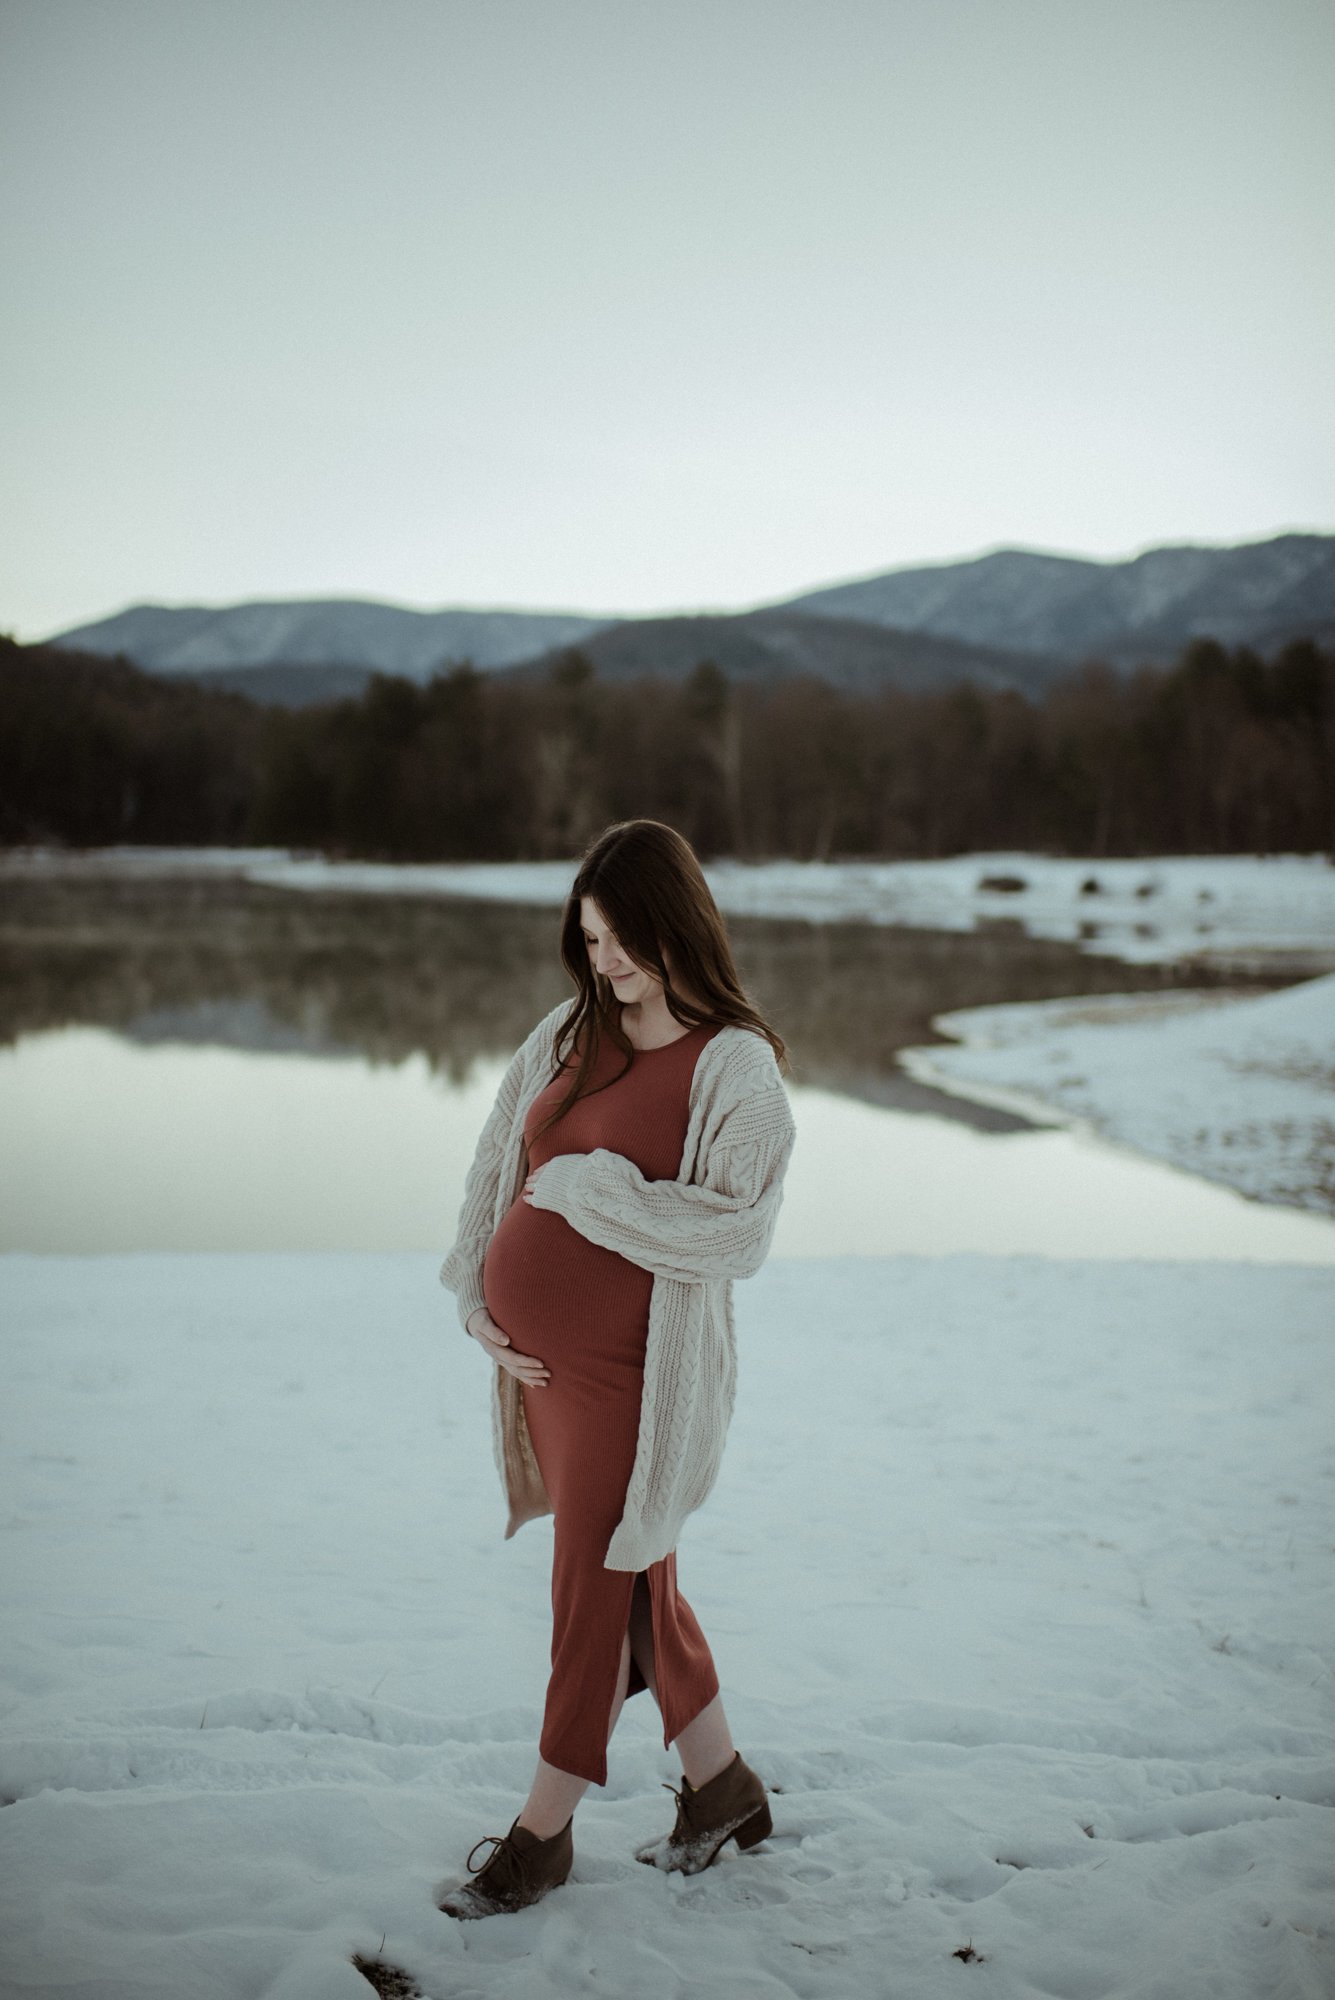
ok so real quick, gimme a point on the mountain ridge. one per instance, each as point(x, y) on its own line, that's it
point(1009, 617)
point(1142, 606)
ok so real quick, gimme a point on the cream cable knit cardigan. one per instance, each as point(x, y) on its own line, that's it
point(696, 1234)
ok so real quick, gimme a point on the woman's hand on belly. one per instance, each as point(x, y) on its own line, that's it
point(527, 1192)
point(526, 1368)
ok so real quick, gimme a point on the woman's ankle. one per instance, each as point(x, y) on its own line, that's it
point(704, 1774)
point(542, 1832)
point(705, 1745)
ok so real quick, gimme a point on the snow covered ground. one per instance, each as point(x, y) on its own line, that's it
point(1238, 1088)
point(1247, 908)
point(1018, 1576)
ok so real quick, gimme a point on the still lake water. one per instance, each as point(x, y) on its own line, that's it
point(211, 1064)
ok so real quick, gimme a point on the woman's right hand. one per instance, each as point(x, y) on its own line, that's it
point(525, 1367)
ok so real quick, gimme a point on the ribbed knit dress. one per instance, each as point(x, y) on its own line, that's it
point(584, 1311)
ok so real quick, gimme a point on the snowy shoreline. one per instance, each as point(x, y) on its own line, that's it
point(1031, 1646)
point(1237, 1088)
point(1253, 912)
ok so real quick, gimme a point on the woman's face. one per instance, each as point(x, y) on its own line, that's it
point(629, 982)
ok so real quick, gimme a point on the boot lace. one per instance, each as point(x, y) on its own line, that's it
point(501, 1846)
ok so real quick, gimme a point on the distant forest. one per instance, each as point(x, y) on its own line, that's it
point(1221, 752)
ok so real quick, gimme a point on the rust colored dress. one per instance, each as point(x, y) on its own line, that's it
point(584, 1311)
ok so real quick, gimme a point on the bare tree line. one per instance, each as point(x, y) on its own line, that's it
point(1221, 752)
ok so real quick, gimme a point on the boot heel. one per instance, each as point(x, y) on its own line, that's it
point(756, 1828)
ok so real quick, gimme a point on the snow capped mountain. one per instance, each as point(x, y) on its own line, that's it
point(1256, 593)
point(323, 632)
point(1020, 615)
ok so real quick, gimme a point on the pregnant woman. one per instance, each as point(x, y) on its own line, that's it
point(631, 1167)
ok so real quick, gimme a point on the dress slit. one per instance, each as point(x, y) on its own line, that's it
point(636, 1683)
point(681, 1697)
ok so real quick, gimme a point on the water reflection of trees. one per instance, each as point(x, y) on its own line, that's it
point(384, 977)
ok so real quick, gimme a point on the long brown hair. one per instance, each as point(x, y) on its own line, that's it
point(647, 880)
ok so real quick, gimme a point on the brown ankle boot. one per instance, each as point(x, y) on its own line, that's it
point(732, 1806)
point(519, 1870)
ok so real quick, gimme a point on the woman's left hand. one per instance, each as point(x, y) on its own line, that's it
point(528, 1184)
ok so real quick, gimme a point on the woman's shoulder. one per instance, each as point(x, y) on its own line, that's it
point(741, 1060)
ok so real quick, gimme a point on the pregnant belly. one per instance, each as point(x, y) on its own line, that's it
point(541, 1278)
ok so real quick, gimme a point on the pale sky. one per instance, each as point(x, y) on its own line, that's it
point(628, 306)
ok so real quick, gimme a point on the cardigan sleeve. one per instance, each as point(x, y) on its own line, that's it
point(461, 1272)
point(719, 1228)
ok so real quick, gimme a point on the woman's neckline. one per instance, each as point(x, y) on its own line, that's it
point(656, 1048)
